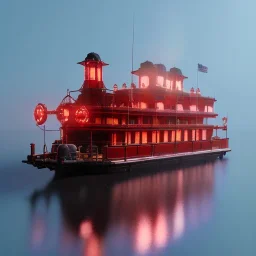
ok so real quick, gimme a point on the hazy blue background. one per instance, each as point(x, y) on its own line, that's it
point(41, 42)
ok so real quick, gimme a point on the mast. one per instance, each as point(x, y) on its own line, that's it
point(130, 99)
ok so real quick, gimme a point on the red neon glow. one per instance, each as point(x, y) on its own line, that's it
point(86, 229)
point(82, 115)
point(99, 74)
point(161, 230)
point(92, 73)
point(143, 235)
point(40, 114)
point(62, 114)
point(144, 82)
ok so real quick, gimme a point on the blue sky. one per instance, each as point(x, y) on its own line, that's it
point(41, 42)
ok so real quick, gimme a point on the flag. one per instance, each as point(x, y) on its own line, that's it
point(202, 68)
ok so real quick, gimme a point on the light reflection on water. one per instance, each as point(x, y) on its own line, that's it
point(122, 213)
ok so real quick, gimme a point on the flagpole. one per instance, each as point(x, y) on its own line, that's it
point(196, 95)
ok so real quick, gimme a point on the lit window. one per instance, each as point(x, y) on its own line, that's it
point(193, 135)
point(160, 105)
point(197, 135)
point(208, 109)
point(143, 105)
point(137, 137)
point(154, 137)
point(158, 136)
point(173, 136)
point(113, 139)
point(193, 108)
point(168, 84)
point(144, 137)
point(178, 135)
point(128, 138)
point(97, 120)
point(109, 120)
point(203, 134)
point(179, 107)
point(178, 85)
point(186, 135)
point(144, 82)
point(66, 112)
point(99, 74)
point(165, 136)
point(160, 81)
point(92, 74)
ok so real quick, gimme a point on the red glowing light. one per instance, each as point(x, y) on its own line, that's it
point(40, 114)
point(62, 114)
point(82, 115)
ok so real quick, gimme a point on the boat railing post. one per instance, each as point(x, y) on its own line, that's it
point(97, 154)
point(125, 152)
point(152, 149)
point(32, 149)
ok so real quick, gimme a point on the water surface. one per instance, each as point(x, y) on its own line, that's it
point(206, 209)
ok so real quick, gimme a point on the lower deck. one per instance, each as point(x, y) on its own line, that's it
point(126, 157)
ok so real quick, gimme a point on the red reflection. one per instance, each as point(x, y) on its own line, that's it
point(86, 229)
point(38, 231)
point(161, 231)
point(143, 234)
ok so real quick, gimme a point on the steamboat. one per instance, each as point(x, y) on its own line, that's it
point(155, 122)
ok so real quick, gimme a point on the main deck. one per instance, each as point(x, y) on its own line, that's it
point(120, 158)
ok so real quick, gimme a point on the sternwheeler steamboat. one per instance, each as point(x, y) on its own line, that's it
point(105, 130)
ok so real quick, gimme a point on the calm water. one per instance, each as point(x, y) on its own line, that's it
point(206, 209)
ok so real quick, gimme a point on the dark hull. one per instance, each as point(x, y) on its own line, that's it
point(74, 169)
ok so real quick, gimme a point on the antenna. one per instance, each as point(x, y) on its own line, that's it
point(130, 94)
point(132, 43)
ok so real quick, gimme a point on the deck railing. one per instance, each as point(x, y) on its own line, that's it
point(110, 153)
point(134, 151)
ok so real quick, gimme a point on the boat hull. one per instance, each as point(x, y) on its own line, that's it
point(73, 167)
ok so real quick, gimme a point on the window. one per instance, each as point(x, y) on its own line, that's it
point(178, 135)
point(144, 82)
point(160, 105)
point(128, 138)
point(143, 105)
point(203, 134)
point(92, 73)
point(99, 74)
point(160, 81)
point(193, 135)
point(197, 134)
point(158, 136)
point(173, 136)
point(193, 108)
point(178, 85)
point(97, 120)
point(154, 137)
point(179, 107)
point(208, 109)
point(111, 120)
point(137, 137)
point(186, 135)
point(144, 137)
point(165, 136)
point(113, 139)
